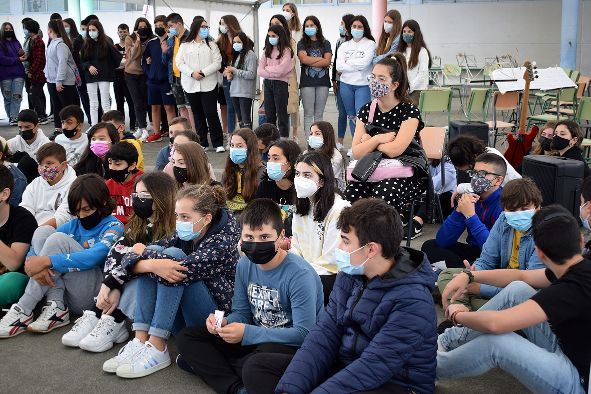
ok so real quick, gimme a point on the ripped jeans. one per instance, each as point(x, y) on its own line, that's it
point(12, 92)
point(354, 97)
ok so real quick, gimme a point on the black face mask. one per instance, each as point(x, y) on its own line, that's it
point(171, 140)
point(27, 134)
point(559, 143)
point(259, 252)
point(91, 221)
point(144, 33)
point(9, 34)
point(142, 207)
point(546, 144)
point(69, 133)
point(180, 174)
point(119, 175)
point(160, 31)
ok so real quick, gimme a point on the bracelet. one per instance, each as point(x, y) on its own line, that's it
point(453, 319)
point(470, 275)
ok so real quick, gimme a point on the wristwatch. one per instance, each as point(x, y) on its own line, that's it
point(470, 275)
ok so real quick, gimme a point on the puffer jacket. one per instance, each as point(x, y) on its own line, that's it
point(373, 333)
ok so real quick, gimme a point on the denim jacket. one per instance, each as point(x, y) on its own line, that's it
point(496, 253)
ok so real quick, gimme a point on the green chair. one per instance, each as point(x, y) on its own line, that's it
point(584, 114)
point(436, 100)
point(574, 76)
point(568, 98)
point(478, 103)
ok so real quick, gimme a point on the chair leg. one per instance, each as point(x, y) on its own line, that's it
point(409, 228)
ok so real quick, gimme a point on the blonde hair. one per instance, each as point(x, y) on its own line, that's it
point(206, 198)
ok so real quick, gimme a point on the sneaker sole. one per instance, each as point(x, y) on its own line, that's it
point(12, 336)
point(70, 343)
point(106, 346)
point(62, 324)
point(145, 372)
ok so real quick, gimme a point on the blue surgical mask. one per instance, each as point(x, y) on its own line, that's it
point(343, 261)
point(204, 32)
point(275, 171)
point(237, 46)
point(408, 38)
point(585, 221)
point(310, 31)
point(520, 220)
point(342, 31)
point(315, 142)
point(67, 29)
point(83, 33)
point(173, 32)
point(27, 33)
point(357, 33)
point(238, 155)
point(184, 230)
point(93, 34)
point(273, 41)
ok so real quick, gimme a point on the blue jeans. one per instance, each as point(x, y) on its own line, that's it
point(342, 120)
point(157, 304)
point(229, 106)
point(354, 97)
point(537, 362)
point(12, 91)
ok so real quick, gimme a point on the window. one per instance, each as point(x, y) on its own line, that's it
point(107, 5)
point(44, 6)
point(5, 7)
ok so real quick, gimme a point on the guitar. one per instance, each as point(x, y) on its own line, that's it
point(520, 144)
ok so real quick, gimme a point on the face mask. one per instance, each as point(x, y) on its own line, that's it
point(143, 32)
point(119, 176)
point(408, 38)
point(585, 221)
point(173, 31)
point(305, 187)
point(142, 207)
point(83, 33)
point(93, 34)
point(343, 261)
point(91, 221)
point(160, 31)
point(9, 34)
point(48, 173)
point(238, 155)
point(273, 41)
point(275, 171)
point(546, 144)
point(26, 33)
point(204, 32)
point(287, 15)
point(223, 29)
point(480, 185)
point(342, 31)
point(388, 27)
point(378, 89)
point(237, 46)
point(123, 36)
point(100, 148)
point(315, 142)
point(357, 33)
point(69, 133)
point(259, 252)
point(180, 174)
point(67, 29)
point(559, 143)
point(520, 220)
point(310, 31)
point(27, 135)
point(184, 230)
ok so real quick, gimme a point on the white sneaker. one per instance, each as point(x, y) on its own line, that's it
point(339, 146)
point(350, 153)
point(82, 327)
point(220, 149)
point(51, 317)
point(137, 134)
point(14, 322)
point(145, 362)
point(102, 337)
point(124, 356)
point(145, 135)
point(206, 148)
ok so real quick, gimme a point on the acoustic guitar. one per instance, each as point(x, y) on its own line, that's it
point(520, 144)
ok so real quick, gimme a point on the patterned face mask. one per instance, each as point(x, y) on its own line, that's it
point(480, 184)
point(378, 89)
point(49, 173)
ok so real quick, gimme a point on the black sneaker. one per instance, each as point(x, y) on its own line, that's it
point(182, 364)
point(417, 230)
point(12, 122)
point(55, 134)
point(444, 325)
point(43, 120)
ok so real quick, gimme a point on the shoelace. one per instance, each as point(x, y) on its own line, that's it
point(9, 318)
point(45, 313)
point(78, 323)
point(102, 325)
point(127, 351)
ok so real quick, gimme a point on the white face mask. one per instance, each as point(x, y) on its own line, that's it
point(287, 15)
point(305, 187)
point(388, 27)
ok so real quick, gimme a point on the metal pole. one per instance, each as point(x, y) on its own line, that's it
point(569, 33)
point(255, 18)
point(74, 10)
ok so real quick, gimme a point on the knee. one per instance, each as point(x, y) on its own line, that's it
point(174, 252)
point(252, 368)
point(448, 274)
point(428, 246)
point(520, 289)
point(16, 96)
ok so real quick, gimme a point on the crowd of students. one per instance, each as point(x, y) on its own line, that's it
point(303, 258)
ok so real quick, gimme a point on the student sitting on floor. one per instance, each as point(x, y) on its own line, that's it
point(16, 232)
point(552, 355)
point(475, 212)
point(567, 140)
point(19, 179)
point(277, 299)
point(266, 133)
point(510, 243)
point(72, 138)
point(174, 126)
point(65, 263)
point(117, 119)
point(122, 159)
point(30, 137)
point(377, 334)
point(101, 137)
point(47, 196)
point(205, 246)
point(277, 183)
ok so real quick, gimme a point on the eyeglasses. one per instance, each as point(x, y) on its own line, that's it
point(371, 78)
point(481, 173)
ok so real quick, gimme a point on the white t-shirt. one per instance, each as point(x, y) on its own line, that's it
point(74, 148)
point(18, 144)
point(418, 77)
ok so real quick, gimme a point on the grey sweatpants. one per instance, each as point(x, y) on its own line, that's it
point(76, 289)
point(314, 102)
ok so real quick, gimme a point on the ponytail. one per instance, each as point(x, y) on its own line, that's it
point(58, 27)
point(397, 65)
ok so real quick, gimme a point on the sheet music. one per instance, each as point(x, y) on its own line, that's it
point(548, 79)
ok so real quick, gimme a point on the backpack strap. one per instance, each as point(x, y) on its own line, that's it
point(372, 111)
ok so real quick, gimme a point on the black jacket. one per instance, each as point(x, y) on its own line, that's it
point(105, 64)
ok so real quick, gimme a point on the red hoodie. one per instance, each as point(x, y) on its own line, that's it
point(121, 194)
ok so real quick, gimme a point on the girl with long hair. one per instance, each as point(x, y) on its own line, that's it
point(229, 28)
point(12, 72)
point(295, 32)
point(418, 58)
point(190, 165)
point(390, 37)
point(344, 35)
point(322, 140)
point(101, 137)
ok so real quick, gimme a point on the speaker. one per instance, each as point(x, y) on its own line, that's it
point(473, 128)
point(558, 178)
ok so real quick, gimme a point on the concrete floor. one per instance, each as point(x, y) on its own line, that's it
point(40, 363)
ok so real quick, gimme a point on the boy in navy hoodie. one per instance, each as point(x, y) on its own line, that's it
point(475, 212)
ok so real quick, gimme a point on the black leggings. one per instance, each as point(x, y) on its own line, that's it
point(122, 94)
point(37, 98)
point(243, 107)
point(59, 100)
point(207, 121)
point(453, 256)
